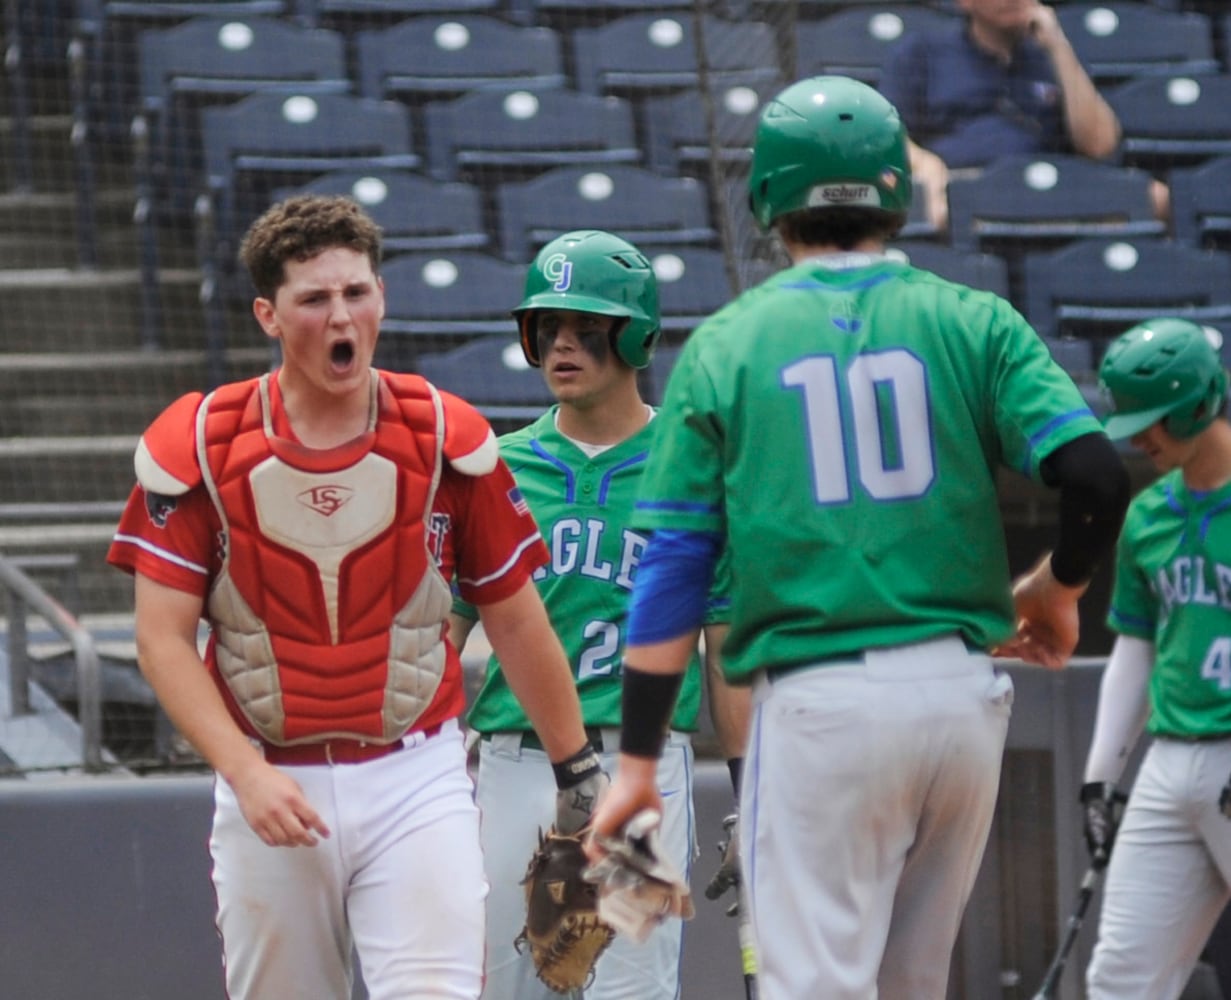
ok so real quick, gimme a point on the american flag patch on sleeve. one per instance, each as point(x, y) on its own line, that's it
point(518, 501)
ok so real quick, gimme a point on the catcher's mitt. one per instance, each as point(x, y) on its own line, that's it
point(563, 929)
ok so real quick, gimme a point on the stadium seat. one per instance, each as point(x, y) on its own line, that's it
point(1172, 121)
point(414, 212)
point(1099, 288)
point(919, 225)
point(36, 38)
point(821, 8)
point(103, 77)
point(641, 206)
point(692, 284)
point(490, 372)
point(1075, 356)
point(448, 297)
point(188, 66)
point(270, 140)
point(985, 271)
point(677, 138)
point(442, 56)
point(349, 16)
point(107, 32)
point(1201, 203)
point(1033, 202)
point(1123, 39)
point(253, 146)
point(526, 132)
point(643, 54)
point(661, 364)
point(855, 41)
point(213, 60)
point(580, 13)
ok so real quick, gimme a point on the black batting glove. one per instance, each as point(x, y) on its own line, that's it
point(1224, 799)
point(580, 781)
point(1103, 808)
point(728, 874)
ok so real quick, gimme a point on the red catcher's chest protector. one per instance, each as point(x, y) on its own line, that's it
point(328, 609)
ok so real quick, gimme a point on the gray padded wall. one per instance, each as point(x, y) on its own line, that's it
point(105, 892)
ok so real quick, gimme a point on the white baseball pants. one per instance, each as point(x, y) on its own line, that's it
point(400, 879)
point(1168, 879)
point(868, 794)
point(517, 798)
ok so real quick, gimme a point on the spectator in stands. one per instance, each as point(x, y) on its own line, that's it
point(1003, 81)
point(313, 517)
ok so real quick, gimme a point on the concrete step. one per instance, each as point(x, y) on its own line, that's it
point(107, 413)
point(112, 392)
point(50, 130)
point(93, 587)
point(54, 208)
point(85, 310)
point(112, 395)
point(50, 150)
point(59, 470)
point(43, 229)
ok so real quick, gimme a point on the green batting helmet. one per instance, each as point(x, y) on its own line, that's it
point(1164, 369)
point(591, 271)
point(828, 142)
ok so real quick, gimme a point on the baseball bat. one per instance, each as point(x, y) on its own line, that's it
point(1047, 991)
point(747, 949)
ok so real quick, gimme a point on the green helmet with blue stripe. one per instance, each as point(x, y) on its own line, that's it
point(592, 271)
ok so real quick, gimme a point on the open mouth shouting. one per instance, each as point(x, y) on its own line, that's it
point(342, 357)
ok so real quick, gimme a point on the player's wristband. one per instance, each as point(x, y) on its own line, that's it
point(735, 766)
point(585, 763)
point(647, 703)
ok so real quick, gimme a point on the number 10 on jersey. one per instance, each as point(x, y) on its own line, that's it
point(886, 410)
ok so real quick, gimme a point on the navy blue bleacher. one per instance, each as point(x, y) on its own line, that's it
point(855, 41)
point(645, 208)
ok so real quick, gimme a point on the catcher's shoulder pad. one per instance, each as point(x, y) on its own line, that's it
point(470, 443)
point(166, 456)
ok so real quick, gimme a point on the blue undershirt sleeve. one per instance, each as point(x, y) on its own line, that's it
point(672, 586)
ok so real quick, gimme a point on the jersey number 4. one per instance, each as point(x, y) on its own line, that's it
point(1217, 664)
point(886, 407)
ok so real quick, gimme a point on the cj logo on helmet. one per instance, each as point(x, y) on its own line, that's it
point(558, 269)
point(325, 500)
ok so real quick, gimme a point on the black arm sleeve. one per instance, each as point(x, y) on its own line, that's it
point(1094, 494)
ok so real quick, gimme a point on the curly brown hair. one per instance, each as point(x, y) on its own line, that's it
point(844, 227)
point(301, 227)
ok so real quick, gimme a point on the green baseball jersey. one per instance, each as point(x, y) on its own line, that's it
point(841, 424)
point(1172, 588)
point(583, 506)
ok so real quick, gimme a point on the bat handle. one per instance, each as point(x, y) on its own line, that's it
point(747, 948)
point(1047, 991)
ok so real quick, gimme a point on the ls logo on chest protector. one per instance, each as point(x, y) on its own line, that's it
point(327, 500)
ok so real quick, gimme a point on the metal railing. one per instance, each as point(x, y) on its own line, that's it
point(26, 595)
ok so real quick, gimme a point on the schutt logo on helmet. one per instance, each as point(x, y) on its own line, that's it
point(843, 194)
